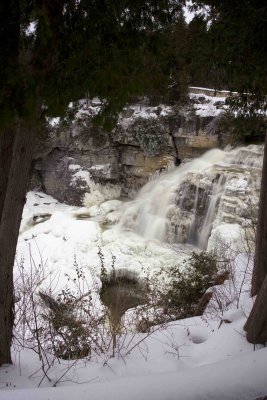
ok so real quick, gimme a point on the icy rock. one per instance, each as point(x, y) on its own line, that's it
point(113, 217)
point(110, 205)
point(225, 237)
point(94, 211)
point(93, 198)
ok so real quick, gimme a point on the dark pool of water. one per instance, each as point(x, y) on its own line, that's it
point(121, 294)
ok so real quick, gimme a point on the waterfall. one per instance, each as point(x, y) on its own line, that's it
point(192, 235)
point(204, 233)
point(180, 205)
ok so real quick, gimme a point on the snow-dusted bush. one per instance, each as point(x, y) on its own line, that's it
point(150, 134)
point(188, 285)
point(54, 324)
point(75, 322)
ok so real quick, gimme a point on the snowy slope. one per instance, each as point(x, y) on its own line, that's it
point(224, 366)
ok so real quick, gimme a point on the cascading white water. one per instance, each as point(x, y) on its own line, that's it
point(209, 216)
point(148, 214)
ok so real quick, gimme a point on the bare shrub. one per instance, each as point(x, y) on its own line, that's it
point(73, 323)
point(237, 267)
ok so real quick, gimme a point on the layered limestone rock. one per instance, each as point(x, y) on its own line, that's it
point(193, 203)
point(226, 193)
point(146, 141)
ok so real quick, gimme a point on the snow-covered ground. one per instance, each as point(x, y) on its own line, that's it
point(192, 359)
point(197, 358)
point(207, 106)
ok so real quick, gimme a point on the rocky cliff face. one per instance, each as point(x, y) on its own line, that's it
point(225, 193)
point(196, 202)
point(77, 157)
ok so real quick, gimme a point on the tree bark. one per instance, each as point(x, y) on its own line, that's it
point(16, 186)
point(260, 262)
point(6, 146)
point(256, 325)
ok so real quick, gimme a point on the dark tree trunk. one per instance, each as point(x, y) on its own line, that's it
point(260, 263)
point(16, 186)
point(256, 325)
point(6, 146)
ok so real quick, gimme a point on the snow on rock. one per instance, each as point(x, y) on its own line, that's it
point(93, 198)
point(99, 194)
point(207, 105)
point(225, 236)
point(135, 111)
point(113, 217)
point(80, 176)
point(103, 168)
point(53, 121)
point(110, 205)
point(103, 209)
point(207, 110)
point(58, 240)
point(94, 211)
point(38, 203)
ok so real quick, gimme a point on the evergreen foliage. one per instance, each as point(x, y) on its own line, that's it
point(243, 128)
point(189, 284)
point(112, 49)
point(150, 134)
point(237, 43)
